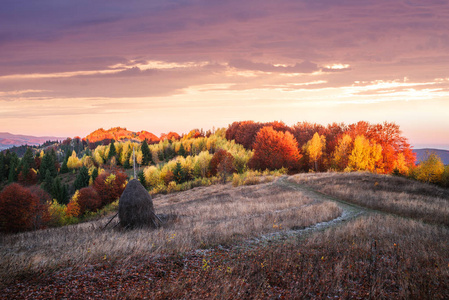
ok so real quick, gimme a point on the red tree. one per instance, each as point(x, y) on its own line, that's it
point(18, 209)
point(110, 186)
point(222, 163)
point(88, 199)
point(274, 150)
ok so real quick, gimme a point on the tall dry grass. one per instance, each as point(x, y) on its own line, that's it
point(373, 257)
point(386, 193)
point(198, 218)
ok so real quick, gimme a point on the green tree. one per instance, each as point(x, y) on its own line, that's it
point(2, 166)
point(182, 151)
point(13, 168)
point(146, 154)
point(59, 191)
point(47, 184)
point(141, 177)
point(82, 179)
point(178, 173)
point(94, 174)
point(112, 150)
point(48, 163)
point(64, 168)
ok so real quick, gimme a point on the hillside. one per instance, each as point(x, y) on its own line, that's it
point(9, 140)
point(421, 154)
point(280, 239)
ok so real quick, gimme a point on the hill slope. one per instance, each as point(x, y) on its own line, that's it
point(8, 140)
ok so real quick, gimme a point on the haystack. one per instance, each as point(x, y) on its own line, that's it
point(135, 208)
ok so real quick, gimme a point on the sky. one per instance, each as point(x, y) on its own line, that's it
point(68, 68)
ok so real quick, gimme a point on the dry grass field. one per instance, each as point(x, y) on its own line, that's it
point(199, 218)
point(203, 250)
point(390, 194)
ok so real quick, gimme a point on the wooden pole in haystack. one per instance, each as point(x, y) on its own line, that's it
point(134, 164)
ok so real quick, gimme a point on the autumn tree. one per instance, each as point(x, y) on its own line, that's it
point(222, 164)
point(73, 161)
point(431, 169)
point(365, 155)
point(18, 208)
point(340, 157)
point(275, 150)
point(315, 149)
point(88, 200)
point(110, 186)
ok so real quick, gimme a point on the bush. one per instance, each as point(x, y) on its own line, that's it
point(19, 209)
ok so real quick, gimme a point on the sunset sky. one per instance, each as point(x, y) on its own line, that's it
point(70, 67)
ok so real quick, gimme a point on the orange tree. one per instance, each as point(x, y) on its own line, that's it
point(275, 150)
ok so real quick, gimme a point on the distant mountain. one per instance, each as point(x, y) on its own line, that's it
point(8, 140)
point(421, 154)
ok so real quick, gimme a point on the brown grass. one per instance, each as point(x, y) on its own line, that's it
point(198, 218)
point(386, 193)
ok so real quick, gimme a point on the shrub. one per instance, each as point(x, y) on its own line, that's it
point(19, 208)
point(88, 200)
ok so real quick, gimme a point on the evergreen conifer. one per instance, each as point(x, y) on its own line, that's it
point(112, 150)
point(82, 179)
point(146, 153)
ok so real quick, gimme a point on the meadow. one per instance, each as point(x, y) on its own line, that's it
point(258, 241)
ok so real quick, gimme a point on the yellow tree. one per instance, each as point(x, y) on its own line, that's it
point(315, 148)
point(400, 164)
point(342, 152)
point(74, 162)
point(431, 169)
point(365, 155)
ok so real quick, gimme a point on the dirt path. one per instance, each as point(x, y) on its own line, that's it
point(349, 212)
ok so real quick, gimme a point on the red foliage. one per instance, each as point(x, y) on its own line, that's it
point(303, 132)
point(221, 162)
point(274, 150)
point(44, 199)
point(37, 162)
point(388, 135)
point(29, 179)
point(169, 176)
point(88, 199)
point(116, 133)
point(145, 135)
point(19, 209)
point(110, 190)
point(170, 136)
